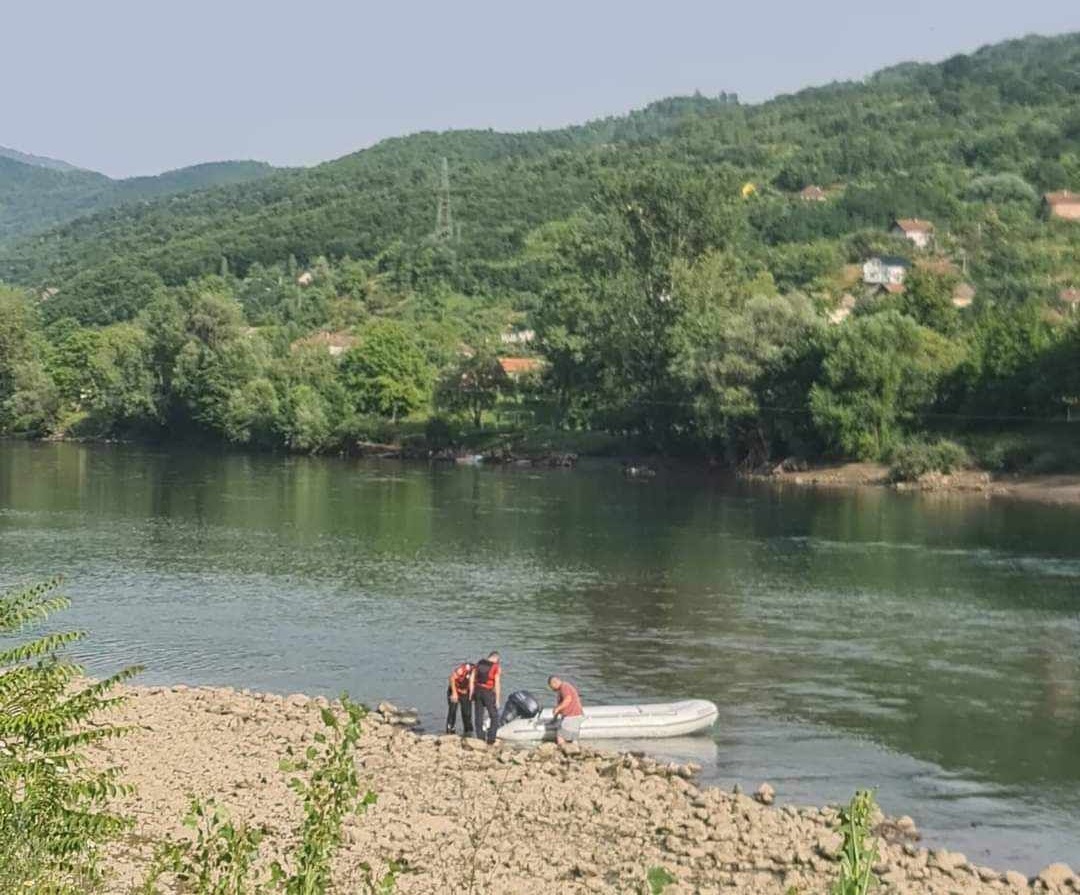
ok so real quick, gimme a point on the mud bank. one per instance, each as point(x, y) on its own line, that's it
point(1061, 489)
point(501, 820)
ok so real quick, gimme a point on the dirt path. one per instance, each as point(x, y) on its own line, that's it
point(502, 820)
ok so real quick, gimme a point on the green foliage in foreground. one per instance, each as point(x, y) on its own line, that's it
point(859, 851)
point(221, 857)
point(54, 810)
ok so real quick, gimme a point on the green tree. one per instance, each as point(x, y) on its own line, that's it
point(878, 372)
point(54, 808)
point(472, 385)
point(29, 401)
point(386, 374)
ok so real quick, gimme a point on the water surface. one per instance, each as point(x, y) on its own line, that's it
point(928, 646)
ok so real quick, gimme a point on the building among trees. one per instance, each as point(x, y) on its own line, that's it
point(920, 232)
point(1064, 205)
point(885, 270)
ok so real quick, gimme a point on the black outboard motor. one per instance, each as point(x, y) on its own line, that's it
point(519, 704)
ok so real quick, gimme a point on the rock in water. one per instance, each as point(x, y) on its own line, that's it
point(765, 794)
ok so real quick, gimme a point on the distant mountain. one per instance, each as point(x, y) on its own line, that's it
point(937, 141)
point(39, 193)
point(38, 161)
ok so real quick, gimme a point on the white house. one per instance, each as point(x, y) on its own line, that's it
point(885, 270)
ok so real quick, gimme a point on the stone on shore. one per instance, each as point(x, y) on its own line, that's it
point(765, 794)
point(1058, 878)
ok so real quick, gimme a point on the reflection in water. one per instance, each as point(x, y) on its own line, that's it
point(927, 645)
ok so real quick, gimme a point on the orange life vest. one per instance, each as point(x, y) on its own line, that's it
point(486, 674)
point(460, 676)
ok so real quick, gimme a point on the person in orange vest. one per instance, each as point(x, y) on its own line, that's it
point(485, 690)
point(457, 697)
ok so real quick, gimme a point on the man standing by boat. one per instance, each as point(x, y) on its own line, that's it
point(457, 697)
point(485, 690)
point(568, 711)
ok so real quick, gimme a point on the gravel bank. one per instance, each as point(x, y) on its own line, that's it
point(504, 820)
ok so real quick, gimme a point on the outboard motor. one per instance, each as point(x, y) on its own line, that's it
point(519, 704)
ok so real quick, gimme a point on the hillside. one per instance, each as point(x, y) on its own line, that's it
point(853, 271)
point(38, 193)
point(917, 140)
point(38, 161)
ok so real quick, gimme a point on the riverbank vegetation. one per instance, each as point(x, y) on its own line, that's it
point(58, 812)
point(699, 278)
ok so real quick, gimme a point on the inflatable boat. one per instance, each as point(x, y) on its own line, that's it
point(622, 722)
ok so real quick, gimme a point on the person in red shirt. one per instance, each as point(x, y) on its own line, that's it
point(457, 696)
point(485, 690)
point(568, 711)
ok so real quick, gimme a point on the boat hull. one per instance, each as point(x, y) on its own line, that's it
point(620, 722)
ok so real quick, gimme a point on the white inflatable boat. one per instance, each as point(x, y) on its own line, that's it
point(619, 722)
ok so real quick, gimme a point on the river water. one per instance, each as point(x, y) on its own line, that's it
point(924, 645)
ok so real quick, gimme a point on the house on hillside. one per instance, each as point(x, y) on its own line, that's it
point(305, 279)
point(1063, 205)
point(917, 231)
point(812, 194)
point(334, 343)
point(516, 367)
point(48, 292)
point(885, 270)
point(888, 289)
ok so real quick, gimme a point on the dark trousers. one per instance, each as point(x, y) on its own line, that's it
point(451, 714)
point(485, 702)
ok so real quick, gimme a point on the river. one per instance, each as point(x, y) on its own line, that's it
point(924, 645)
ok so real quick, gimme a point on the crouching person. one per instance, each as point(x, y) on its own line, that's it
point(568, 711)
point(457, 697)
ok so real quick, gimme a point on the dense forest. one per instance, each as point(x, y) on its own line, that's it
point(865, 270)
point(37, 193)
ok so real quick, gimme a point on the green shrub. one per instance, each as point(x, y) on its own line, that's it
point(859, 851)
point(221, 858)
point(914, 459)
point(54, 810)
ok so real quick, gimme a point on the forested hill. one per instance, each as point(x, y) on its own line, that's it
point(38, 193)
point(38, 161)
point(854, 270)
point(502, 184)
point(918, 140)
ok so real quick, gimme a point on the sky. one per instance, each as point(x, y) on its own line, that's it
point(132, 87)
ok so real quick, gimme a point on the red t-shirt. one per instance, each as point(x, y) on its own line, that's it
point(573, 706)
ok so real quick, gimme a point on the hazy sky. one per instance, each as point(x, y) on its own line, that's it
point(140, 86)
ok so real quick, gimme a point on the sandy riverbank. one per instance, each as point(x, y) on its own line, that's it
point(528, 821)
point(1055, 489)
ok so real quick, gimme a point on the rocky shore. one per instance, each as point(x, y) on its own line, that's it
point(469, 818)
point(1062, 489)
